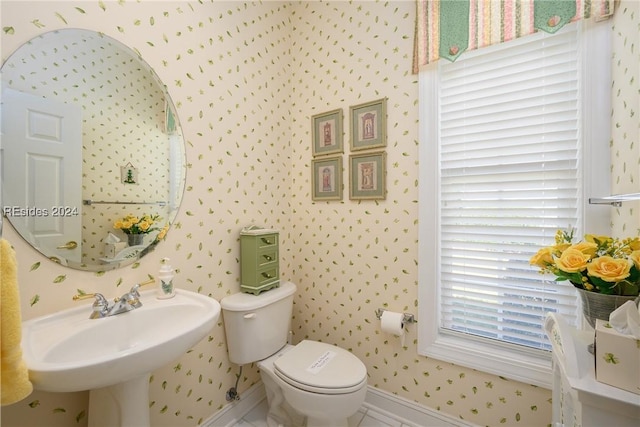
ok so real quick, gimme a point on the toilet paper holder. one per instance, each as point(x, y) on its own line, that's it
point(408, 317)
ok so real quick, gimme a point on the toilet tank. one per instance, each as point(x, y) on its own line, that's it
point(257, 326)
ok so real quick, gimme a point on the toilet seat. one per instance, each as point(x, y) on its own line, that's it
point(321, 368)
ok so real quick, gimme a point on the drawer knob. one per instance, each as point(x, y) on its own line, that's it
point(267, 275)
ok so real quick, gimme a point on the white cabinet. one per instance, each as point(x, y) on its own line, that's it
point(578, 399)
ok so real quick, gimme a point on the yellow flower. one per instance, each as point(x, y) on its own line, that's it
point(594, 238)
point(560, 247)
point(634, 244)
point(635, 257)
point(572, 261)
point(543, 258)
point(587, 248)
point(161, 235)
point(602, 264)
point(609, 269)
point(132, 224)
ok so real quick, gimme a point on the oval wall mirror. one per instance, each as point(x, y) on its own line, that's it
point(92, 150)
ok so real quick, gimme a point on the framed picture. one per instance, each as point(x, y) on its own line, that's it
point(367, 176)
point(129, 174)
point(368, 125)
point(326, 131)
point(326, 178)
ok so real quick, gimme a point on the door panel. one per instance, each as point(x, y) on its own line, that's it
point(43, 176)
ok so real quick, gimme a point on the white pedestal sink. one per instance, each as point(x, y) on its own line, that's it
point(114, 356)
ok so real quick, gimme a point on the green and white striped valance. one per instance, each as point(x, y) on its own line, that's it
point(447, 28)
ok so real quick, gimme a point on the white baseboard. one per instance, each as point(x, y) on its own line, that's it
point(388, 404)
point(407, 411)
point(234, 411)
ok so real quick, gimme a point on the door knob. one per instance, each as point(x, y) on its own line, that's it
point(69, 245)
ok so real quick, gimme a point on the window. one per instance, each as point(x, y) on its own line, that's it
point(514, 139)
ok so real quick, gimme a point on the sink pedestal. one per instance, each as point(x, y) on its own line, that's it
point(125, 404)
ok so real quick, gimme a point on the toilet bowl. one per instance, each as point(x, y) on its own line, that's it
point(311, 383)
point(323, 383)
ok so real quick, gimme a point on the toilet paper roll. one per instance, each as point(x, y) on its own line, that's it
point(393, 323)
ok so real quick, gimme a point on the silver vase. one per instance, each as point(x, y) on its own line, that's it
point(600, 306)
point(135, 239)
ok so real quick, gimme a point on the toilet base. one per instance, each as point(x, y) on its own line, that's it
point(280, 414)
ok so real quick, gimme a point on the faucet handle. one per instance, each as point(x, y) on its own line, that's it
point(133, 297)
point(137, 286)
point(83, 295)
point(134, 288)
point(100, 307)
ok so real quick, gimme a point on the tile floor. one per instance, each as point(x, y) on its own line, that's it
point(365, 417)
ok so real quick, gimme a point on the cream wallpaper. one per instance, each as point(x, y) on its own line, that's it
point(246, 78)
point(625, 120)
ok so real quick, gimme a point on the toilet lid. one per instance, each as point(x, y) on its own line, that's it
point(321, 368)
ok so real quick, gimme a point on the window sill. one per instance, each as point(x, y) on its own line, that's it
point(519, 366)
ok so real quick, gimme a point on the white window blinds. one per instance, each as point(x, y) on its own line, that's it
point(509, 178)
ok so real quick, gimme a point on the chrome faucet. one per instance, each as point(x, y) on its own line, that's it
point(127, 302)
point(100, 307)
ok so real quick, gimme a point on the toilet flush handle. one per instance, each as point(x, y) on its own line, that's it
point(250, 316)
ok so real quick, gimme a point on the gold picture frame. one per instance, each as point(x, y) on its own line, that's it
point(327, 131)
point(368, 125)
point(326, 178)
point(367, 176)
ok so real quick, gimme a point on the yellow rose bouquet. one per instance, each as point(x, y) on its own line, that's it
point(600, 264)
point(132, 224)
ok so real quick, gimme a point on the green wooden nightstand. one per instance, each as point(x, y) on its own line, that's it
point(259, 261)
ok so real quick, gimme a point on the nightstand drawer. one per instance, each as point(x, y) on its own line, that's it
point(267, 240)
point(263, 280)
point(266, 257)
point(267, 275)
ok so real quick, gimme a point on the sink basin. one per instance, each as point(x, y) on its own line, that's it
point(113, 356)
point(67, 351)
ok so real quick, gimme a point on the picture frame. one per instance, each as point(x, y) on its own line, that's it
point(129, 174)
point(367, 176)
point(326, 178)
point(327, 131)
point(368, 125)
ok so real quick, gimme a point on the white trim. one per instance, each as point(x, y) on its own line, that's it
point(232, 413)
point(597, 112)
point(413, 414)
point(500, 360)
point(380, 401)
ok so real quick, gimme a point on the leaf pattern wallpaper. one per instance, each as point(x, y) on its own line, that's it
point(246, 78)
point(625, 119)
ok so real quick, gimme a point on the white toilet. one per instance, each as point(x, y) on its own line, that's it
point(311, 382)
